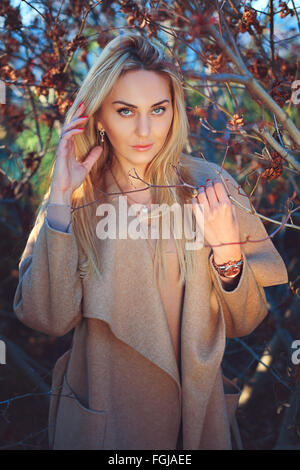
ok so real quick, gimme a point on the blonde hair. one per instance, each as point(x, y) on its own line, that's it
point(130, 51)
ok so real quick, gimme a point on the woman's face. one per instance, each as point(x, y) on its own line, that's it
point(138, 122)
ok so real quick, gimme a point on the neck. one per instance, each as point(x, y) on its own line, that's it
point(141, 197)
point(121, 172)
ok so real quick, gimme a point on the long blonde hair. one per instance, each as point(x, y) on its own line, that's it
point(130, 51)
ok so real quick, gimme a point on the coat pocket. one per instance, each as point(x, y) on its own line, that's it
point(78, 427)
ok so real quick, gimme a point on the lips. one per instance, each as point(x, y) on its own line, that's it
point(142, 147)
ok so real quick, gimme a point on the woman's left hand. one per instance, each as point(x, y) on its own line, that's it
point(220, 220)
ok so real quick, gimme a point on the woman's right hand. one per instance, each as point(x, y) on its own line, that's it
point(68, 172)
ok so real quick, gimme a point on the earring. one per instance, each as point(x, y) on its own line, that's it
point(102, 133)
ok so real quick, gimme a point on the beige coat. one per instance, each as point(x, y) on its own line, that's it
point(119, 386)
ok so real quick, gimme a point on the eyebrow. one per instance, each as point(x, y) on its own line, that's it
point(133, 106)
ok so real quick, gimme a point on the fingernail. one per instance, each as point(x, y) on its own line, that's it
point(82, 103)
point(80, 128)
point(208, 179)
point(83, 117)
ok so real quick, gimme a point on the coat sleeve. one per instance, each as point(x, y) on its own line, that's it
point(49, 293)
point(245, 307)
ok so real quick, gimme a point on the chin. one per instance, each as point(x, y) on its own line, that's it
point(142, 159)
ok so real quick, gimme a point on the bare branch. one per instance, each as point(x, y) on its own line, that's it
point(257, 89)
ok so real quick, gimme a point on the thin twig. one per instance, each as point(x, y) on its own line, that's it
point(276, 145)
point(253, 353)
point(79, 33)
point(254, 86)
point(31, 6)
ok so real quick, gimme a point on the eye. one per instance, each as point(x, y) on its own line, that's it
point(127, 109)
point(123, 109)
point(162, 107)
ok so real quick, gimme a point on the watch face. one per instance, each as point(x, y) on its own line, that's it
point(232, 271)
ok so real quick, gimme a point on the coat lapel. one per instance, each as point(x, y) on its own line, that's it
point(202, 349)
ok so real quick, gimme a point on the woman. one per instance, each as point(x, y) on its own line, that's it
point(144, 370)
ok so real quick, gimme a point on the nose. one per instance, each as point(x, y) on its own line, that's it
point(143, 126)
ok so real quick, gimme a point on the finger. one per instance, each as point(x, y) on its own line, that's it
point(211, 195)
point(74, 123)
point(92, 158)
point(197, 210)
point(79, 110)
point(67, 136)
point(77, 115)
point(202, 199)
point(221, 191)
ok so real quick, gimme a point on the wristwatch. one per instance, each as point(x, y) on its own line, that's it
point(229, 269)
